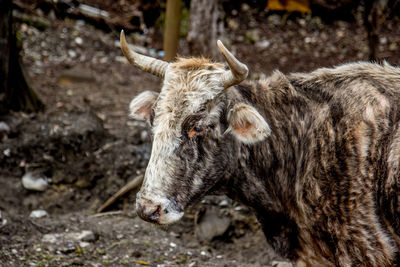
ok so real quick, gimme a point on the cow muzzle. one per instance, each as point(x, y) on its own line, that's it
point(162, 211)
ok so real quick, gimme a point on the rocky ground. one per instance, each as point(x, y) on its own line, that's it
point(70, 159)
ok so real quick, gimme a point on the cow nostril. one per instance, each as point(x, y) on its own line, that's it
point(148, 211)
point(156, 214)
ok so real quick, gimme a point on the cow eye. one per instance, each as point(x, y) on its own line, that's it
point(197, 130)
point(151, 117)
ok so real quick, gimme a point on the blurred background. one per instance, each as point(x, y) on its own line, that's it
point(71, 160)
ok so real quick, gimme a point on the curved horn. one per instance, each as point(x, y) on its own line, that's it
point(238, 71)
point(145, 63)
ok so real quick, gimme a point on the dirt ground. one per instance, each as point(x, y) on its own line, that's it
point(86, 148)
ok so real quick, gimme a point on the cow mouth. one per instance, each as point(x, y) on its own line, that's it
point(164, 217)
point(170, 217)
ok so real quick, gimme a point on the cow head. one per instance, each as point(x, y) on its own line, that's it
point(194, 123)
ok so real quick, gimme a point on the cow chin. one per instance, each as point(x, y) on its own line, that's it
point(170, 217)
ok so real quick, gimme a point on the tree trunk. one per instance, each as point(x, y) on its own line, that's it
point(206, 26)
point(5, 31)
point(171, 33)
point(15, 93)
point(371, 25)
point(374, 17)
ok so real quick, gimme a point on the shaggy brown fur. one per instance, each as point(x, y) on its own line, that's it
point(325, 183)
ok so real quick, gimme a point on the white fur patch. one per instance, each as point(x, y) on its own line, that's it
point(169, 213)
point(158, 176)
point(183, 93)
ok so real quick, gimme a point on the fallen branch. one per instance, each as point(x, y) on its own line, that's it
point(108, 21)
point(137, 181)
point(3, 221)
point(42, 229)
point(109, 213)
point(33, 20)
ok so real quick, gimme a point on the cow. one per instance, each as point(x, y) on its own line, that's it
point(315, 155)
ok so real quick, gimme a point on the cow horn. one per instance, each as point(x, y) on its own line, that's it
point(238, 71)
point(145, 63)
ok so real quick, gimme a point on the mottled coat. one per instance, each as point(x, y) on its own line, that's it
point(315, 155)
point(324, 184)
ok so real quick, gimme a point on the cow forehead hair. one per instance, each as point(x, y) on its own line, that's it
point(188, 84)
point(192, 73)
point(192, 64)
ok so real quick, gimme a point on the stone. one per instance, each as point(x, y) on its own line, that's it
point(281, 264)
point(84, 244)
point(85, 124)
point(263, 44)
point(4, 127)
point(78, 40)
point(224, 203)
point(34, 183)
point(7, 152)
point(85, 235)
point(72, 53)
point(3, 221)
point(204, 255)
point(121, 59)
point(93, 11)
point(51, 238)
point(161, 53)
point(211, 225)
point(38, 214)
point(144, 136)
point(67, 242)
point(76, 76)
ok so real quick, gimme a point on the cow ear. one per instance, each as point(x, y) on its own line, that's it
point(140, 106)
point(247, 124)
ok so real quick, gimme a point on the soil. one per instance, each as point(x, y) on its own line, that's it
point(87, 148)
